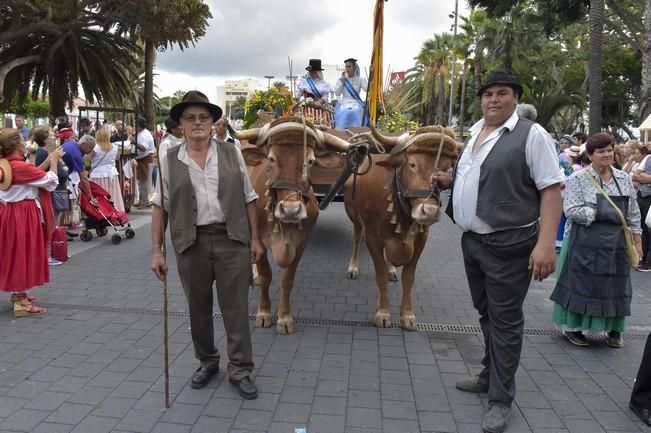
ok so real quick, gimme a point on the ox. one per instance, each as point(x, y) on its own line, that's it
point(394, 206)
point(279, 165)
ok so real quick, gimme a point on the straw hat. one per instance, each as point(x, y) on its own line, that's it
point(5, 174)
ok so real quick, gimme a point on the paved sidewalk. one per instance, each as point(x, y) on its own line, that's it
point(94, 362)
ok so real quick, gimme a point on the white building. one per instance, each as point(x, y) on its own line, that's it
point(228, 93)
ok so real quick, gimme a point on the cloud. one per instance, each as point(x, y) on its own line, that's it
point(253, 38)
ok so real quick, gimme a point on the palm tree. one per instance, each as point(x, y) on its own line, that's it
point(432, 73)
point(84, 53)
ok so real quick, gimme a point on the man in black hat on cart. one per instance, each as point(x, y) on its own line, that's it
point(506, 197)
point(210, 204)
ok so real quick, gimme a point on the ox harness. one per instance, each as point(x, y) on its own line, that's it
point(400, 196)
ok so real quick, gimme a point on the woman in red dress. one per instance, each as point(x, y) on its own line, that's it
point(26, 220)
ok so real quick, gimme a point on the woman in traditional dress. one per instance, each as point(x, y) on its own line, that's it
point(313, 85)
point(102, 167)
point(593, 290)
point(26, 220)
point(350, 111)
point(313, 93)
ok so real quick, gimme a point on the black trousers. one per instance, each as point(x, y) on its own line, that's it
point(498, 275)
point(641, 395)
point(644, 203)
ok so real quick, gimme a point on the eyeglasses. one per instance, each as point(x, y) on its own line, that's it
point(203, 118)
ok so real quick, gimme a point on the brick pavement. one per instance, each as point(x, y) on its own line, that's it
point(93, 363)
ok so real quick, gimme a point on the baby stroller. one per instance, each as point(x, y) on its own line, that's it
point(101, 215)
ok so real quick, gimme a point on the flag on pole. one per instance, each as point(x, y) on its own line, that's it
point(375, 93)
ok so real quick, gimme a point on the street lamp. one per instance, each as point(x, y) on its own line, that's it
point(269, 77)
point(454, 59)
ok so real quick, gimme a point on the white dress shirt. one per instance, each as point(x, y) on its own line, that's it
point(540, 155)
point(168, 142)
point(144, 138)
point(29, 191)
point(205, 183)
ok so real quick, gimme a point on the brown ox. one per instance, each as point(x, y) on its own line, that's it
point(394, 207)
point(279, 164)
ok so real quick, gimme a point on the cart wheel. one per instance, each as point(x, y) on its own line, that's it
point(102, 231)
point(86, 236)
point(130, 233)
point(116, 239)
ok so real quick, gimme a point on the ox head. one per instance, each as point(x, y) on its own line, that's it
point(289, 147)
point(414, 158)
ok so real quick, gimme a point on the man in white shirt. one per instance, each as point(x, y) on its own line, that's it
point(506, 198)
point(145, 150)
point(173, 138)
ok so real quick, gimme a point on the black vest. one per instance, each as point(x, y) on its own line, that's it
point(507, 198)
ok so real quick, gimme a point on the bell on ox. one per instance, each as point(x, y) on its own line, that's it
point(390, 207)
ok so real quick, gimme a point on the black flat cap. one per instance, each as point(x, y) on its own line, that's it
point(501, 76)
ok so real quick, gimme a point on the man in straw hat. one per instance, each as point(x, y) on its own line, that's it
point(210, 205)
point(506, 198)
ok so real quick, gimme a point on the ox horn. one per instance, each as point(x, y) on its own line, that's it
point(248, 134)
point(335, 142)
point(385, 140)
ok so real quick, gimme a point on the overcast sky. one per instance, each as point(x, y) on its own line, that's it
point(253, 38)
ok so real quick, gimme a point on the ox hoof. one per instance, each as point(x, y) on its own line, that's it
point(263, 320)
point(285, 325)
point(353, 273)
point(383, 320)
point(393, 275)
point(408, 322)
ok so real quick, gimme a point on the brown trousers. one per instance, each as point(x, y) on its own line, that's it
point(215, 258)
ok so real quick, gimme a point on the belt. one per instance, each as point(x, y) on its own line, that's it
point(212, 228)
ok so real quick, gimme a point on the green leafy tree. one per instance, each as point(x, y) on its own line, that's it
point(56, 47)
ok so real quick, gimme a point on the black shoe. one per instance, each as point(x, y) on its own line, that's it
point(246, 387)
point(72, 234)
point(615, 340)
point(202, 376)
point(70, 239)
point(643, 267)
point(577, 338)
point(643, 413)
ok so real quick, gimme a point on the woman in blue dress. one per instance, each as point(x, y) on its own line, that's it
point(350, 111)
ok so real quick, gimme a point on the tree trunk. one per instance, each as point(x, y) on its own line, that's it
point(440, 108)
point(596, 42)
point(462, 104)
point(645, 91)
point(150, 59)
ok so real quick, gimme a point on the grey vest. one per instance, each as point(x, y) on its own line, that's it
point(507, 198)
point(645, 188)
point(183, 203)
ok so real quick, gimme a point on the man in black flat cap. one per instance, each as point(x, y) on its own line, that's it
point(506, 198)
point(210, 203)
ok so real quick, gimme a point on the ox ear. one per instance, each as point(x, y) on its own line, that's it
point(330, 160)
point(253, 155)
point(390, 163)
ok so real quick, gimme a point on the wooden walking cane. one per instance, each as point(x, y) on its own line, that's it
point(164, 252)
